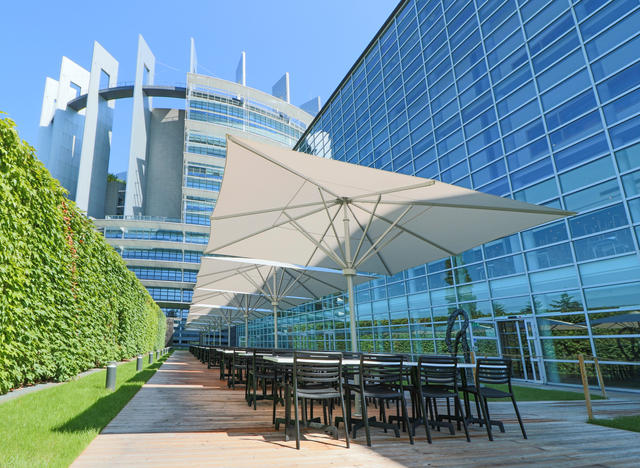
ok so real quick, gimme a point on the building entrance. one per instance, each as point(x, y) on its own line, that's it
point(517, 339)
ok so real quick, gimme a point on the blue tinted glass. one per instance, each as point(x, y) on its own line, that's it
point(547, 14)
point(599, 220)
point(628, 158)
point(504, 49)
point(566, 89)
point(631, 183)
point(584, 175)
point(502, 31)
point(520, 117)
point(488, 173)
point(563, 68)
point(592, 197)
point(538, 192)
point(513, 82)
point(450, 142)
point(612, 36)
point(604, 245)
point(563, 46)
point(482, 139)
point(488, 154)
point(551, 33)
point(532, 173)
point(482, 121)
point(499, 187)
point(524, 135)
point(503, 246)
point(620, 82)
point(472, 75)
point(527, 154)
point(452, 157)
point(455, 172)
point(623, 107)
point(606, 16)
point(615, 60)
point(462, 33)
point(577, 129)
point(505, 266)
point(476, 107)
point(571, 109)
point(625, 132)
point(579, 152)
point(474, 91)
point(516, 99)
point(548, 257)
point(585, 7)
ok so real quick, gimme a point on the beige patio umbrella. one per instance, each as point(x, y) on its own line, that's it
point(286, 206)
point(280, 284)
point(227, 306)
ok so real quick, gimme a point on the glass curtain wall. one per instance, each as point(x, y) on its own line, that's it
point(534, 100)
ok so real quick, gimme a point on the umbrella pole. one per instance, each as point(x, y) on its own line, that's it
point(246, 329)
point(352, 313)
point(275, 324)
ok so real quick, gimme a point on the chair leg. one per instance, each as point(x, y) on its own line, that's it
point(405, 417)
point(365, 419)
point(425, 415)
point(515, 407)
point(485, 413)
point(460, 414)
point(295, 411)
point(344, 418)
point(477, 398)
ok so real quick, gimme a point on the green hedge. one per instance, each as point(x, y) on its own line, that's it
point(67, 300)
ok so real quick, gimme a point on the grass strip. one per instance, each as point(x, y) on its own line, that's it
point(523, 393)
point(51, 427)
point(628, 423)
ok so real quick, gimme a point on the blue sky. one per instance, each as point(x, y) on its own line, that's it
point(315, 41)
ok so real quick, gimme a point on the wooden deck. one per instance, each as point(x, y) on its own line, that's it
point(185, 416)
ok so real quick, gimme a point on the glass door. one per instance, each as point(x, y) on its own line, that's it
point(517, 340)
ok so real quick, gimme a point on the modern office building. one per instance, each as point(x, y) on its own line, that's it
point(156, 215)
point(536, 100)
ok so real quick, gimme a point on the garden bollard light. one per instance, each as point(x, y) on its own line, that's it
point(151, 358)
point(111, 376)
point(139, 363)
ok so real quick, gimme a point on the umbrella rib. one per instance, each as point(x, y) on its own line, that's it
point(282, 166)
point(266, 210)
point(324, 234)
point(382, 246)
point(477, 207)
point(411, 233)
point(235, 241)
point(427, 183)
point(333, 226)
point(384, 234)
point(384, 264)
point(318, 244)
point(366, 229)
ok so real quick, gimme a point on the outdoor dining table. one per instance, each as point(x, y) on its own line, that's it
point(287, 361)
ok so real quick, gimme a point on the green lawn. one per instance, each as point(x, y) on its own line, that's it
point(542, 394)
point(628, 423)
point(51, 427)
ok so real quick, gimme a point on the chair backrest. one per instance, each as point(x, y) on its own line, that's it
point(313, 369)
point(438, 370)
point(493, 371)
point(381, 369)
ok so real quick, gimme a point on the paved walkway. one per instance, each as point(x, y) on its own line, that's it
point(186, 416)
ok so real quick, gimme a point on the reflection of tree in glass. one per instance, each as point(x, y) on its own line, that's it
point(566, 303)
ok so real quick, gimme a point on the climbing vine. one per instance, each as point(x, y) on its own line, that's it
point(67, 300)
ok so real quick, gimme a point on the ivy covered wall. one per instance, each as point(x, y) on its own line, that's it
point(67, 301)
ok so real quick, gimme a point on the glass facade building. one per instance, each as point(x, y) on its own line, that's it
point(535, 100)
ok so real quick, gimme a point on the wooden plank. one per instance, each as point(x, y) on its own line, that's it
point(186, 416)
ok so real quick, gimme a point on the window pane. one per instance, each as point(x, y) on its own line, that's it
point(587, 174)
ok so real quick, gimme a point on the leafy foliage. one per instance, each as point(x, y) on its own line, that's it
point(67, 300)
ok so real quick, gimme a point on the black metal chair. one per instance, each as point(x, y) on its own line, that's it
point(493, 371)
point(438, 378)
point(240, 365)
point(262, 373)
point(316, 376)
point(381, 378)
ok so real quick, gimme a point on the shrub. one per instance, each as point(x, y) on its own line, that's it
point(67, 300)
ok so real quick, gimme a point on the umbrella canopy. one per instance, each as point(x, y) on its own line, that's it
point(287, 206)
point(280, 284)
